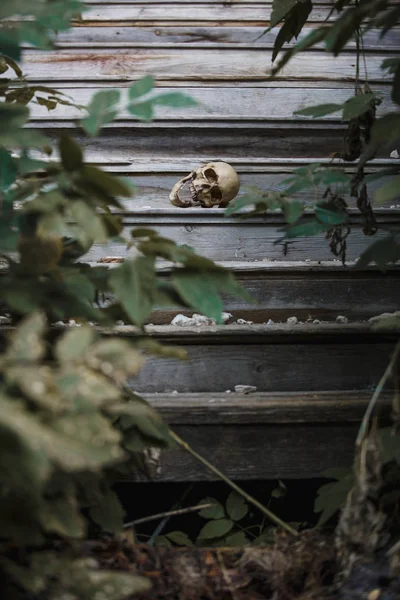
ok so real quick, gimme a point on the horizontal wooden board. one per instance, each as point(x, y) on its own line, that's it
point(240, 240)
point(323, 295)
point(217, 12)
point(272, 358)
point(199, 37)
point(262, 436)
point(190, 64)
point(226, 104)
point(265, 408)
point(261, 452)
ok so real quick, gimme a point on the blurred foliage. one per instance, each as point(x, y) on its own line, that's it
point(69, 425)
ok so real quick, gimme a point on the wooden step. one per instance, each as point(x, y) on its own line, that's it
point(306, 290)
point(262, 435)
point(222, 238)
point(302, 357)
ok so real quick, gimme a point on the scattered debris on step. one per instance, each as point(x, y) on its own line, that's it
point(197, 320)
point(317, 322)
point(341, 319)
point(270, 322)
point(386, 321)
point(245, 389)
point(292, 320)
point(244, 322)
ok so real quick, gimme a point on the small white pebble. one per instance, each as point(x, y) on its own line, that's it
point(292, 320)
point(226, 316)
point(228, 391)
point(175, 392)
point(341, 319)
point(244, 322)
point(120, 323)
point(5, 321)
point(270, 322)
point(394, 154)
point(317, 322)
point(245, 389)
point(60, 324)
point(146, 207)
point(181, 320)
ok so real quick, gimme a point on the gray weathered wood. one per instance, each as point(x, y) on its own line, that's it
point(260, 451)
point(237, 104)
point(308, 294)
point(197, 12)
point(240, 240)
point(189, 64)
point(262, 436)
point(191, 35)
point(272, 358)
point(266, 408)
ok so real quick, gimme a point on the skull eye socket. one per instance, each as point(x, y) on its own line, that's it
point(216, 194)
point(211, 175)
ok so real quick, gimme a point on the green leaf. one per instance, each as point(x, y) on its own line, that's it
point(292, 210)
point(314, 37)
point(141, 87)
point(61, 515)
point(358, 105)
point(389, 191)
point(201, 293)
point(26, 343)
point(280, 8)
point(98, 181)
point(175, 100)
point(330, 216)
point(179, 538)
point(101, 111)
point(108, 512)
point(304, 228)
point(8, 171)
point(71, 153)
point(319, 110)
point(87, 218)
point(84, 390)
point(280, 491)
point(74, 344)
point(385, 131)
point(332, 496)
point(236, 506)
point(215, 529)
point(134, 284)
point(47, 102)
point(143, 110)
point(144, 418)
point(236, 540)
point(216, 511)
point(382, 252)
point(294, 19)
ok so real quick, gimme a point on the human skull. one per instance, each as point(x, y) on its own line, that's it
point(211, 185)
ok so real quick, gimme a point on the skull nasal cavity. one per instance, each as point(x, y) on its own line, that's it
point(211, 175)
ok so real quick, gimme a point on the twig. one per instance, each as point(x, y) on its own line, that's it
point(376, 394)
point(233, 485)
point(171, 513)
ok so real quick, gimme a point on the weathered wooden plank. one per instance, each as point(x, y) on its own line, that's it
point(290, 366)
point(254, 451)
point(199, 37)
point(189, 64)
point(265, 408)
point(240, 240)
point(197, 12)
point(262, 436)
point(113, 147)
point(312, 294)
point(227, 104)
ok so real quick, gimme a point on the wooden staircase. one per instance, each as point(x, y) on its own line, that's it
point(313, 378)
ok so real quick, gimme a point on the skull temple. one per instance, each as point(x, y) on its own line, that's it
point(212, 185)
